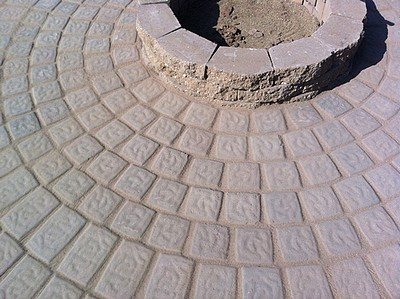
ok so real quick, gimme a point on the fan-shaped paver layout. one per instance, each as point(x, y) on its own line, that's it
point(113, 185)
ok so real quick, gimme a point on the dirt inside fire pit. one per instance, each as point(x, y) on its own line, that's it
point(248, 23)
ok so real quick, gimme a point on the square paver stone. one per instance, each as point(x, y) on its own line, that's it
point(297, 243)
point(167, 195)
point(281, 176)
point(215, 281)
point(170, 162)
point(282, 208)
point(210, 241)
point(319, 170)
point(302, 143)
point(242, 208)
point(355, 193)
point(242, 176)
point(73, 185)
point(132, 220)
point(169, 233)
point(24, 125)
point(259, 280)
point(352, 277)
point(139, 149)
point(230, 147)
point(205, 172)
point(266, 147)
point(164, 130)
point(351, 159)
point(261, 249)
point(134, 182)
point(320, 203)
point(99, 203)
point(203, 204)
point(306, 281)
point(385, 180)
point(338, 237)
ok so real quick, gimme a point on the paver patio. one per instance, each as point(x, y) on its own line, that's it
point(113, 185)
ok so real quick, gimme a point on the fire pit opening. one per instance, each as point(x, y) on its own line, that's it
point(248, 23)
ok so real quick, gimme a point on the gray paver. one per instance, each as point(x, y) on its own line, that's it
point(52, 237)
point(308, 281)
point(82, 149)
point(352, 279)
point(355, 193)
point(106, 167)
point(377, 226)
point(215, 282)
point(9, 252)
point(281, 175)
point(127, 266)
point(210, 241)
point(282, 207)
point(242, 208)
point(297, 244)
point(338, 236)
point(319, 170)
point(203, 204)
point(269, 121)
point(138, 117)
point(34, 146)
point(332, 104)
point(261, 283)
point(167, 195)
point(9, 160)
point(385, 180)
point(59, 287)
point(381, 146)
point(132, 220)
point(266, 148)
point(139, 149)
point(170, 162)
point(242, 176)
point(196, 141)
point(386, 263)
point(25, 279)
point(73, 185)
point(167, 266)
point(302, 143)
point(169, 232)
point(254, 245)
point(15, 185)
point(29, 212)
point(360, 122)
point(231, 147)
point(87, 254)
point(99, 203)
point(164, 130)
point(333, 134)
point(24, 125)
point(205, 172)
point(320, 203)
point(351, 159)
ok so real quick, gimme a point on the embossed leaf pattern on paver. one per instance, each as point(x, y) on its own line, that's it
point(115, 185)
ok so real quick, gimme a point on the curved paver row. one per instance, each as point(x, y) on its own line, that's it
point(288, 72)
point(114, 185)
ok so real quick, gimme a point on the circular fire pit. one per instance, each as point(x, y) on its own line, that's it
point(286, 72)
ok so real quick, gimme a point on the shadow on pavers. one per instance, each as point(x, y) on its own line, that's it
point(373, 48)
